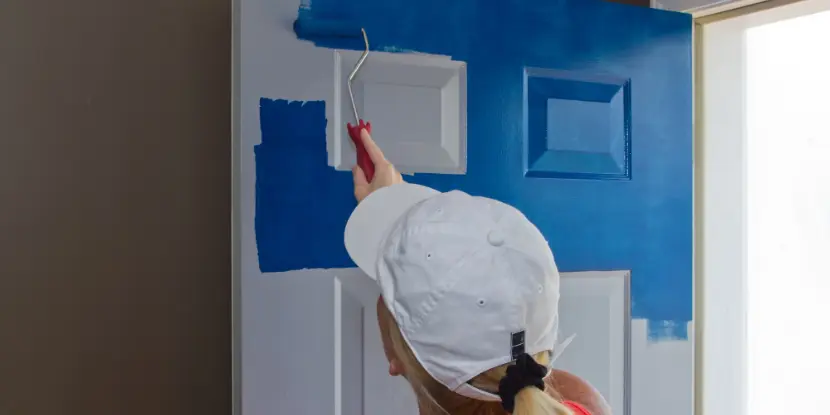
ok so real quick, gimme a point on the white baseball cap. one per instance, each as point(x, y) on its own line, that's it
point(470, 281)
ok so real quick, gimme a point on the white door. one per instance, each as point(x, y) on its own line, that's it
point(578, 113)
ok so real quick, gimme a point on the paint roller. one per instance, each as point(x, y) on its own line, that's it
point(305, 28)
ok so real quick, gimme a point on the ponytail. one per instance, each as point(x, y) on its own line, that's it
point(522, 389)
point(533, 401)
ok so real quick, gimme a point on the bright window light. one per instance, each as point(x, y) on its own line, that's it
point(788, 221)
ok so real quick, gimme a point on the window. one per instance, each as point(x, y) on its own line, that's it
point(763, 211)
point(788, 215)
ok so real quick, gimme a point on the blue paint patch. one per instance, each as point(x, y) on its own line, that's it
point(643, 224)
point(334, 25)
point(667, 330)
point(295, 187)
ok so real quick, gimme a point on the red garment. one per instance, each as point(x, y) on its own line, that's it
point(577, 408)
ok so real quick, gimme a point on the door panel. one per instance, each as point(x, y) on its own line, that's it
point(417, 106)
point(593, 309)
point(577, 112)
point(577, 125)
point(380, 393)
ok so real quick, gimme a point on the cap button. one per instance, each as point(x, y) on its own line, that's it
point(495, 238)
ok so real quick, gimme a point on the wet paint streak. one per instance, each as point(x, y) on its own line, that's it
point(643, 224)
point(295, 225)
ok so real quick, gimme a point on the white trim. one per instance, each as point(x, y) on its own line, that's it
point(720, 7)
point(721, 225)
point(236, 211)
point(338, 347)
point(714, 7)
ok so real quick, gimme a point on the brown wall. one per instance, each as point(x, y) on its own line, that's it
point(115, 207)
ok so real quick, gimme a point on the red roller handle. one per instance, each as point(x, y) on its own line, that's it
point(363, 159)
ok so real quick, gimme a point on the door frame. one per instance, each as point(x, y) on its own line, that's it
point(719, 169)
point(236, 208)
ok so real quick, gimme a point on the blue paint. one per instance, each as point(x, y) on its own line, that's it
point(295, 225)
point(643, 224)
point(667, 330)
point(308, 25)
point(576, 126)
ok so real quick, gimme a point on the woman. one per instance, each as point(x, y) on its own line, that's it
point(468, 311)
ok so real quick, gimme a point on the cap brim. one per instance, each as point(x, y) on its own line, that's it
point(374, 217)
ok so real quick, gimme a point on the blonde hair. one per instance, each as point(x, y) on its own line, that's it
point(434, 398)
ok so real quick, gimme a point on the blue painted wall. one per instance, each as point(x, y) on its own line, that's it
point(640, 220)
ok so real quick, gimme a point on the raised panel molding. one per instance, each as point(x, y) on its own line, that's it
point(417, 105)
point(348, 347)
point(362, 381)
point(595, 307)
point(576, 125)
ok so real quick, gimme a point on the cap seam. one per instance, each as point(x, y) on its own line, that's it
point(405, 333)
point(415, 231)
point(442, 290)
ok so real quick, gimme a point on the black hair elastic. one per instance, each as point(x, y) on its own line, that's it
point(524, 373)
